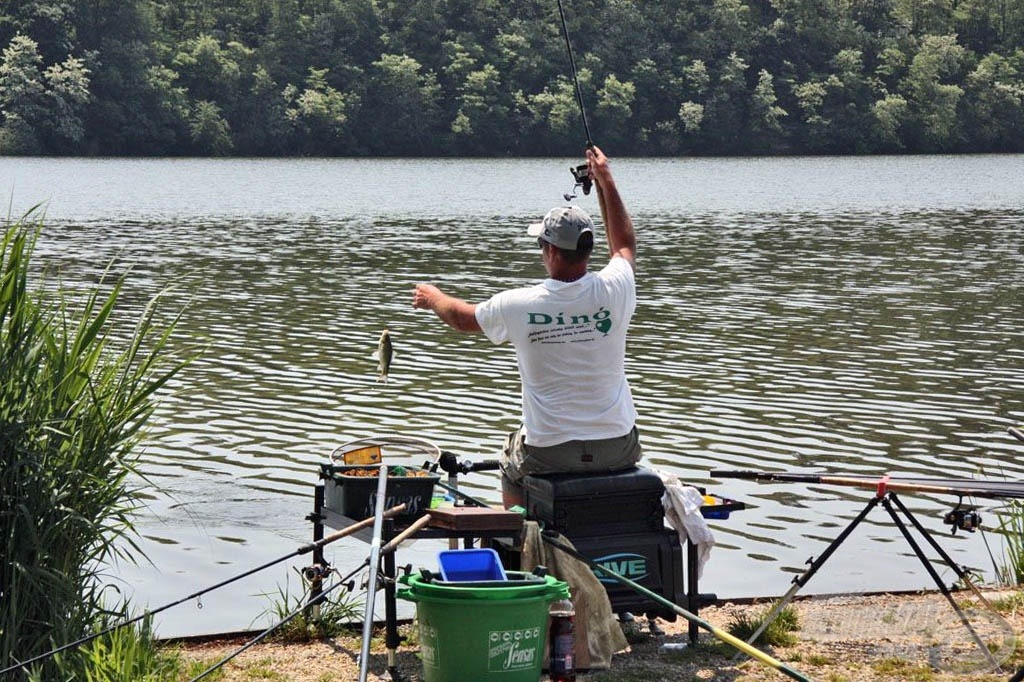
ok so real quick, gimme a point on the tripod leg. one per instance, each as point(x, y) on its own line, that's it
point(802, 579)
point(962, 574)
point(938, 581)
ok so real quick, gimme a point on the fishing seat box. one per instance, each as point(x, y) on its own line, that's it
point(583, 505)
point(653, 560)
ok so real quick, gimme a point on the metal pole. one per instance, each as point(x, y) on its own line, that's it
point(371, 590)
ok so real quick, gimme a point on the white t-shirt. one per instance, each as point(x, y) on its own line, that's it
point(570, 341)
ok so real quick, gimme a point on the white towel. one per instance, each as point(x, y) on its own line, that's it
point(682, 509)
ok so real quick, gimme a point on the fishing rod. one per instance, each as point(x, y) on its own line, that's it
point(580, 173)
point(961, 487)
point(284, 621)
point(720, 634)
point(575, 78)
point(305, 549)
point(386, 549)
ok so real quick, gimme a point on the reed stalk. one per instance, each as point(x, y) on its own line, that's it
point(1011, 527)
point(74, 399)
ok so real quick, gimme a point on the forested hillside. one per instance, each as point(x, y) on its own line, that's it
point(491, 77)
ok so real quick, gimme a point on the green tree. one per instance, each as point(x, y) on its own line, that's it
point(22, 97)
point(925, 17)
point(454, 76)
point(933, 94)
point(853, 98)
point(765, 113)
point(484, 122)
point(40, 109)
point(133, 109)
point(167, 118)
point(524, 52)
point(207, 70)
point(657, 99)
point(994, 95)
point(261, 125)
point(211, 134)
point(68, 94)
point(691, 115)
point(320, 115)
point(614, 111)
point(555, 121)
point(727, 106)
point(889, 118)
point(48, 22)
point(403, 102)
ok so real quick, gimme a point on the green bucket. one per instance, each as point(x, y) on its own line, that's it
point(489, 632)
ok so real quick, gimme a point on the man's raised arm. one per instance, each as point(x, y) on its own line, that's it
point(618, 226)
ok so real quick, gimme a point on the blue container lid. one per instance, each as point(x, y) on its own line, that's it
point(460, 565)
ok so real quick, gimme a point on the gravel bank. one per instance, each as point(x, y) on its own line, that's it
point(841, 639)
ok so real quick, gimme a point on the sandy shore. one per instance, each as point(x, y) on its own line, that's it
point(840, 639)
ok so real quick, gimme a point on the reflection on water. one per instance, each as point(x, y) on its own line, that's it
point(864, 339)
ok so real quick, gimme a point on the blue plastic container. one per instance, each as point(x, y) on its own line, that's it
point(463, 565)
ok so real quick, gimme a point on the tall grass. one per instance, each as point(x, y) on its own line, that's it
point(778, 633)
point(1011, 527)
point(330, 619)
point(129, 653)
point(74, 398)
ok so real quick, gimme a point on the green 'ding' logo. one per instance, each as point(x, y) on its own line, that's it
point(601, 320)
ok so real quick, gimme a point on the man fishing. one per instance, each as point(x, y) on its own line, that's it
point(569, 333)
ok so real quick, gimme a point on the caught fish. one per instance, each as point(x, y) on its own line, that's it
point(384, 354)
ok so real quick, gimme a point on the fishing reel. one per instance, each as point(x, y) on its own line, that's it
point(963, 518)
point(581, 174)
point(581, 178)
point(316, 572)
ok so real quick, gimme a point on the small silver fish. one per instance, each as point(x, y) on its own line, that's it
point(385, 352)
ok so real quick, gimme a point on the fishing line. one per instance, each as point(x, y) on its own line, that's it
point(305, 549)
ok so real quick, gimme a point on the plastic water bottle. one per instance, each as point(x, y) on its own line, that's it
point(561, 640)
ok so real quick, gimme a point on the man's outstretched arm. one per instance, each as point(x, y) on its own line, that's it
point(454, 312)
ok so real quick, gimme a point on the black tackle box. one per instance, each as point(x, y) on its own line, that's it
point(580, 505)
point(351, 490)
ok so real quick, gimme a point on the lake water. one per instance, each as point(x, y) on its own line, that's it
point(851, 315)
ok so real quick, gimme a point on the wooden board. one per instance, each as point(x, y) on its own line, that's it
point(475, 518)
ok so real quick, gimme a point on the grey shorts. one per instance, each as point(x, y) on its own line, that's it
point(583, 456)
